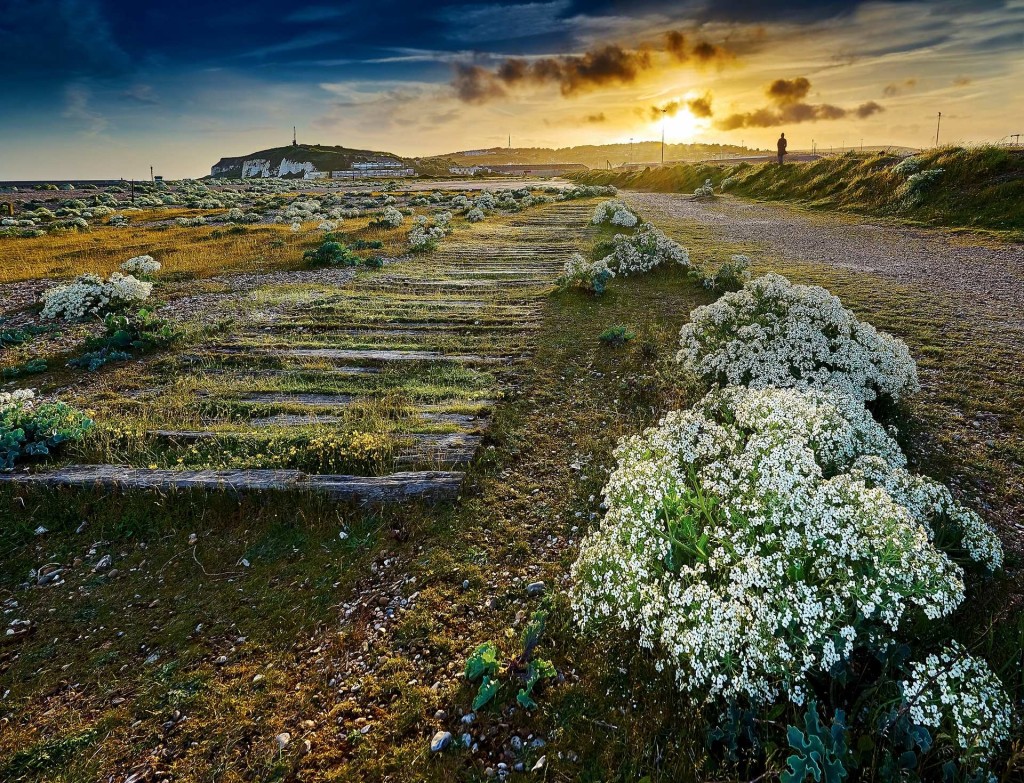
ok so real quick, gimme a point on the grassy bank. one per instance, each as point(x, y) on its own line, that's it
point(978, 188)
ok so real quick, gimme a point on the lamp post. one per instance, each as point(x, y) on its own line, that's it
point(663, 113)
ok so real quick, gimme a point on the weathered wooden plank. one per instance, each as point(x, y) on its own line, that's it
point(430, 485)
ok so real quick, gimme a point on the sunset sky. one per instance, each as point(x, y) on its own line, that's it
point(104, 88)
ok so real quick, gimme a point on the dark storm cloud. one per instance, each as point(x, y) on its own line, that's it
point(607, 65)
point(789, 108)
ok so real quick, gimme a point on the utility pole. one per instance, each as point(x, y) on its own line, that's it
point(151, 174)
point(938, 123)
point(133, 191)
point(663, 113)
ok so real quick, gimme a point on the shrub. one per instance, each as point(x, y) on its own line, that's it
point(31, 428)
point(331, 253)
point(141, 265)
point(475, 215)
point(907, 166)
point(912, 191)
point(730, 276)
point(91, 295)
point(591, 276)
point(774, 333)
point(616, 335)
point(743, 547)
point(391, 218)
point(707, 190)
point(644, 250)
point(426, 232)
point(614, 212)
point(191, 222)
point(125, 335)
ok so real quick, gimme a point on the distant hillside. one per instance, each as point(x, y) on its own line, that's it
point(295, 161)
point(596, 156)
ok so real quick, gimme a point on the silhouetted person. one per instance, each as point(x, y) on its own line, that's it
point(782, 147)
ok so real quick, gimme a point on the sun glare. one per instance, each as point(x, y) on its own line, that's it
point(681, 126)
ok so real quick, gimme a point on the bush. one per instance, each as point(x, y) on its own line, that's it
point(707, 190)
point(141, 265)
point(616, 336)
point(730, 276)
point(124, 336)
point(614, 212)
point(743, 545)
point(591, 276)
point(30, 428)
point(331, 253)
point(390, 218)
point(644, 250)
point(91, 295)
point(475, 215)
point(774, 333)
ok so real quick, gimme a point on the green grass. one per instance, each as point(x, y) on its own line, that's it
point(981, 187)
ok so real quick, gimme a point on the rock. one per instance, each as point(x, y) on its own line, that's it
point(282, 740)
point(104, 563)
point(81, 528)
point(49, 573)
point(516, 743)
point(258, 678)
point(440, 741)
point(467, 739)
point(193, 539)
point(220, 661)
point(540, 764)
point(307, 725)
point(41, 531)
point(469, 717)
point(440, 715)
point(465, 584)
point(535, 588)
point(112, 573)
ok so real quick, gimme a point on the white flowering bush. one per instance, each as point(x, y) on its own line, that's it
point(391, 217)
point(958, 696)
point(706, 190)
point(909, 165)
point(614, 212)
point(191, 222)
point(775, 333)
point(744, 550)
point(475, 215)
point(579, 272)
point(645, 249)
point(427, 232)
point(141, 265)
point(91, 295)
point(913, 190)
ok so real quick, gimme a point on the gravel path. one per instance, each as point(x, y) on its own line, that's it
point(985, 281)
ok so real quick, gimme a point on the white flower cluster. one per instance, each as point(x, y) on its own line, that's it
point(427, 232)
point(119, 221)
point(190, 222)
point(141, 265)
point(706, 190)
point(475, 215)
point(644, 250)
point(391, 218)
point(91, 295)
point(960, 695)
point(585, 191)
point(743, 547)
point(614, 212)
point(775, 333)
point(16, 399)
point(592, 276)
point(909, 165)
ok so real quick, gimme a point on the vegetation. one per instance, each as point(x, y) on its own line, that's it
point(978, 187)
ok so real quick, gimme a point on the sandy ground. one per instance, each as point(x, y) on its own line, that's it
point(984, 279)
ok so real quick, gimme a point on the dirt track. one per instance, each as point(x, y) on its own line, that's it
point(986, 281)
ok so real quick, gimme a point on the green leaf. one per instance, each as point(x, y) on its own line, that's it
point(488, 690)
point(525, 701)
point(483, 661)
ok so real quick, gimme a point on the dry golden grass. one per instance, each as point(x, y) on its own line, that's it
point(195, 252)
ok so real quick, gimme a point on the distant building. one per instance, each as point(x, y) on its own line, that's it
point(521, 169)
point(375, 167)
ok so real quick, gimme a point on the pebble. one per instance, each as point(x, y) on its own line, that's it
point(535, 588)
point(282, 740)
point(440, 741)
point(104, 563)
point(540, 764)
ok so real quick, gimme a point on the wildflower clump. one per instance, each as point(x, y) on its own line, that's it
point(707, 190)
point(475, 215)
point(427, 232)
point(645, 249)
point(33, 428)
point(91, 295)
point(391, 218)
point(579, 272)
point(141, 265)
point(744, 549)
point(775, 333)
point(614, 212)
point(959, 696)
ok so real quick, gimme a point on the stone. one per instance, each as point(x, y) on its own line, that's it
point(441, 740)
point(282, 740)
point(104, 563)
point(540, 764)
point(535, 588)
